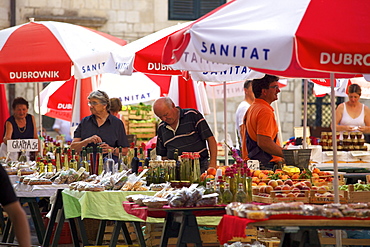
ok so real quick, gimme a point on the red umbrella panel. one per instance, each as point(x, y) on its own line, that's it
point(311, 43)
point(4, 110)
point(46, 51)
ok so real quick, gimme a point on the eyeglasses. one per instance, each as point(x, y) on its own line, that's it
point(275, 87)
point(93, 103)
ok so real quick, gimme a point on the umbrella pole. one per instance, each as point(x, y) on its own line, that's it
point(225, 126)
point(40, 116)
point(335, 162)
point(305, 83)
point(214, 114)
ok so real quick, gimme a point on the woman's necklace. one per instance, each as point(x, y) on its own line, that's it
point(23, 129)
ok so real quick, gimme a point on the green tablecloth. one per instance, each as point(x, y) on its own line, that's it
point(107, 205)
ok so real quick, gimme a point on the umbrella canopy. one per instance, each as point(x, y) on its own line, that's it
point(322, 87)
point(46, 51)
point(305, 39)
point(58, 97)
point(295, 39)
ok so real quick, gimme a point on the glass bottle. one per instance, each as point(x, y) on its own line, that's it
point(100, 162)
point(209, 189)
point(73, 162)
point(91, 158)
point(95, 170)
point(50, 167)
point(196, 168)
point(249, 191)
point(183, 165)
point(109, 163)
point(162, 175)
point(218, 191)
point(135, 162)
point(155, 176)
point(66, 159)
point(240, 195)
point(178, 165)
point(141, 157)
point(149, 177)
point(227, 195)
point(147, 159)
point(120, 160)
point(58, 153)
point(84, 162)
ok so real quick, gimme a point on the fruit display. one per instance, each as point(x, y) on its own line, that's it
point(356, 187)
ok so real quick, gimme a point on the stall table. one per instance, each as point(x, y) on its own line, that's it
point(29, 194)
point(107, 205)
point(352, 171)
point(297, 230)
point(180, 223)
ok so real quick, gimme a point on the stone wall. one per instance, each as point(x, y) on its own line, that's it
point(126, 19)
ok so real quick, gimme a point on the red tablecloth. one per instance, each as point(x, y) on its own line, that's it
point(143, 212)
point(233, 226)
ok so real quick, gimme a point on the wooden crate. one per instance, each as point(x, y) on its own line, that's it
point(135, 115)
point(153, 233)
point(270, 242)
point(356, 196)
point(109, 230)
point(324, 200)
point(251, 236)
point(345, 241)
point(273, 199)
point(144, 131)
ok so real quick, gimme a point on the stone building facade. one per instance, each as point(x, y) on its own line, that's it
point(130, 20)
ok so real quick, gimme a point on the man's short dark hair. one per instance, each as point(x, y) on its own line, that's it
point(263, 83)
point(247, 83)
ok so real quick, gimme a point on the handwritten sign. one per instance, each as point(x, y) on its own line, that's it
point(22, 144)
point(253, 164)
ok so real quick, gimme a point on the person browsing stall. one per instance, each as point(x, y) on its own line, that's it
point(261, 128)
point(353, 115)
point(185, 130)
point(13, 208)
point(63, 127)
point(101, 128)
point(242, 109)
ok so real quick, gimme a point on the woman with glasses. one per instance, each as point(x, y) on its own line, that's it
point(101, 128)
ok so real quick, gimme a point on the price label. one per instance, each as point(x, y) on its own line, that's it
point(253, 164)
point(23, 144)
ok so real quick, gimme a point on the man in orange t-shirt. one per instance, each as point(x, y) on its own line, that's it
point(260, 141)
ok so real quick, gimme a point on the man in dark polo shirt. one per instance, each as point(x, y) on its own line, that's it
point(185, 130)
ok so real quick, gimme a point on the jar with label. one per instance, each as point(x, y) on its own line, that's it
point(324, 135)
point(358, 135)
point(330, 135)
point(324, 142)
point(361, 141)
point(345, 135)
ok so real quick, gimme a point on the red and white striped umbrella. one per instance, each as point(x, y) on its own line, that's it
point(45, 51)
point(286, 38)
point(305, 39)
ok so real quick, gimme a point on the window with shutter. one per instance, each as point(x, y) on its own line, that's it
point(191, 9)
